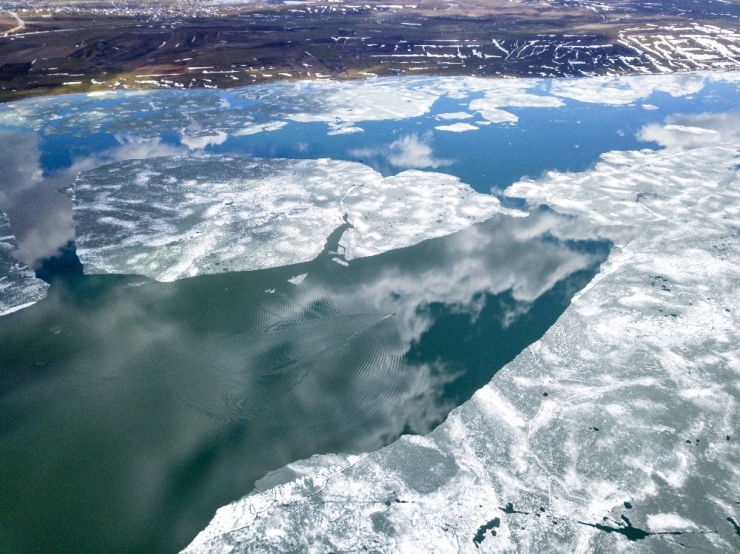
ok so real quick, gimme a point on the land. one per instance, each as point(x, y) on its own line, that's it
point(51, 47)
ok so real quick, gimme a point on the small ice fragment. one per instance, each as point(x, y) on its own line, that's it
point(298, 279)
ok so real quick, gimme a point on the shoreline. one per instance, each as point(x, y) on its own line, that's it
point(80, 48)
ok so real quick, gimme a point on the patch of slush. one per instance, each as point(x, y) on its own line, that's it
point(174, 217)
point(614, 432)
point(18, 285)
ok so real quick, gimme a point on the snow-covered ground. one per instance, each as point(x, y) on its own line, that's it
point(616, 432)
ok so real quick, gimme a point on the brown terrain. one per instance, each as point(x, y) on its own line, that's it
point(50, 47)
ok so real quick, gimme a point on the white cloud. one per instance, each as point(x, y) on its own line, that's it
point(626, 90)
point(682, 132)
point(412, 152)
point(259, 128)
point(200, 142)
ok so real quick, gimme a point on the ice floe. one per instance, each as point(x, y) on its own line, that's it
point(458, 127)
point(617, 431)
point(18, 285)
point(175, 217)
point(332, 101)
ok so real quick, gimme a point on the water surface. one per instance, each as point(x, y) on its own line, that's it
point(132, 410)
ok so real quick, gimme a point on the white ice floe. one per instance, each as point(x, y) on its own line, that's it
point(458, 127)
point(373, 100)
point(175, 217)
point(298, 279)
point(19, 287)
point(505, 93)
point(617, 427)
point(454, 115)
point(253, 129)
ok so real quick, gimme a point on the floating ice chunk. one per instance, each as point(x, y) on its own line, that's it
point(259, 128)
point(168, 218)
point(410, 207)
point(330, 101)
point(343, 128)
point(492, 113)
point(457, 127)
point(693, 131)
point(455, 115)
point(298, 279)
point(19, 287)
point(515, 93)
point(588, 431)
point(373, 100)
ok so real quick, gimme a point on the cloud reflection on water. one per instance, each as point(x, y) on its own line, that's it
point(196, 388)
point(408, 152)
point(687, 131)
point(41, 217)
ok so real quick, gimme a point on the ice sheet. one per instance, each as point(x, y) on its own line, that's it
point(175, 217)
point(616, 432)
point(18, 285)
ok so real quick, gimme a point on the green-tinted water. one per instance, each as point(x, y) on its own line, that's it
point(131, 410)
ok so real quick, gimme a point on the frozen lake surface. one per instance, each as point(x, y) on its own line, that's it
point(400, 314)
